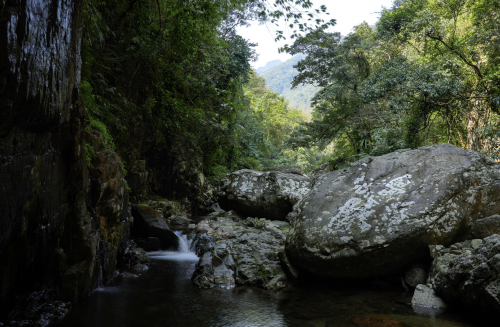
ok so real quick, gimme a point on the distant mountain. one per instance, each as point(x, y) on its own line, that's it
point(268, 66)
point(278, 79)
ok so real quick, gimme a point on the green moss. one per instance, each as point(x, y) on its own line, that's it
point(89, 153)
point(261, 271)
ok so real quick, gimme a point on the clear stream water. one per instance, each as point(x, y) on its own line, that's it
point(164, 296)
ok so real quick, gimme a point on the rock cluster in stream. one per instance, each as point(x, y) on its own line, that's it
point(237, 251)
point(467, 274)
point(39, 309)
point(133, 257)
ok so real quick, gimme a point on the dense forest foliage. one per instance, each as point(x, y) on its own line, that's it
point(427, 73)
point(165, 80)
point(279, 79)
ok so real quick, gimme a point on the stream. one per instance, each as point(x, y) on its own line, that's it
point(165, 296)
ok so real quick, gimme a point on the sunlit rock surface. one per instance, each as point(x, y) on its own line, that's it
point(383, 212)
point(269, 194)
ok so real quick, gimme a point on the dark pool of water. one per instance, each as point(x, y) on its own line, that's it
point(164, 296)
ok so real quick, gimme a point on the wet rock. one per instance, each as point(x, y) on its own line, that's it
point(107, 189)
point(383, 212)
point(425, 296)
point(218, 213)
point(262, 194)
point(39, 309)
point(365, 321)
point(45, 187)
point(181, 220)
point(166, 208)
point(486, 227)
point(470, 279)
point(149, 244)
point(287, 266)
point(141, 267)
point(203, 276)
point(183, 178)
point(128, 275)
point(132, 256)
point(149, 223)
point(236, 254)
point(223, 276)
point(416, 275)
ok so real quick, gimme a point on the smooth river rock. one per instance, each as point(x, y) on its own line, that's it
point(269, 194)
point(425, 296)
point(383, 212)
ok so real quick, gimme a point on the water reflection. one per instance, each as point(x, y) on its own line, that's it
point(165, 296)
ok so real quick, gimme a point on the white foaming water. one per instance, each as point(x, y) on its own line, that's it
point(184, 253)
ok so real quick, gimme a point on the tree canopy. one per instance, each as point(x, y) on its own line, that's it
point(426, 73)
point(168, 79)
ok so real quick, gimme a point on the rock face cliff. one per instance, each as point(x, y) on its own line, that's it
point(59, 225)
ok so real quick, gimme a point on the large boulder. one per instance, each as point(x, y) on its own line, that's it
point(269, 194)
point(149, 223)
point(467, 275)
point(383, 212)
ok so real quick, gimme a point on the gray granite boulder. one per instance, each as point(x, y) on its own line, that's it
point(383, 212)
point(269, 194)
point(242, 252)
point(469, 277)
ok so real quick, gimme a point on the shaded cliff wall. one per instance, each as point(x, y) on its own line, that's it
point(49, 233)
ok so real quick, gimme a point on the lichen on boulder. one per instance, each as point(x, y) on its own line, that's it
point(383, 212)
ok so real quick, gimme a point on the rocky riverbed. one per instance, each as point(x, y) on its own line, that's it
point(412, 224)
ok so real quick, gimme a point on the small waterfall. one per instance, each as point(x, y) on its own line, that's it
point(186, 251)
point(185, 245)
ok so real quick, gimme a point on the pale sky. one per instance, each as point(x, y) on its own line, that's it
point(348, 14)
